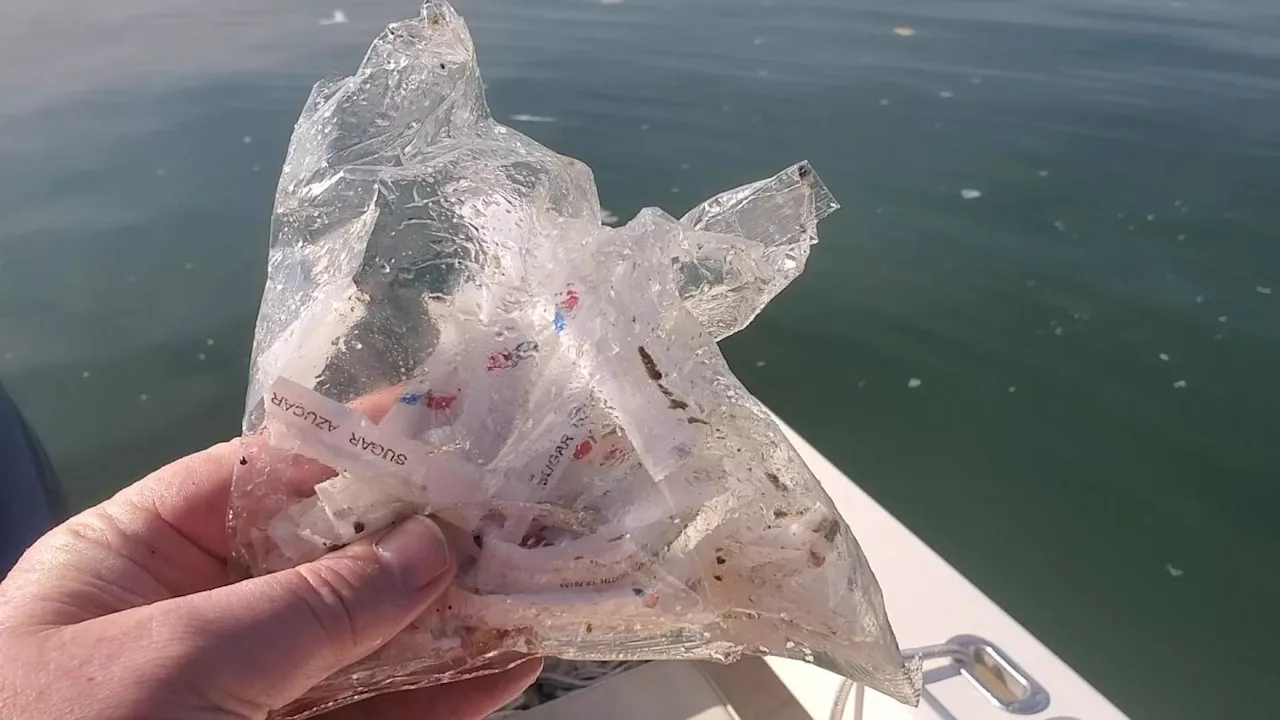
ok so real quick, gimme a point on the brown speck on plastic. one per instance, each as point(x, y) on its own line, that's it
point(650, 367)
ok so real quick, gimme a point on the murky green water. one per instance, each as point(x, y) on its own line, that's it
point(1093, 437)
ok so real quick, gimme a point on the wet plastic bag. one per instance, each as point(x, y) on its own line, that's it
point(448, 328)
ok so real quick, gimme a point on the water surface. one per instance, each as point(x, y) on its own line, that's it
point(1091, 435)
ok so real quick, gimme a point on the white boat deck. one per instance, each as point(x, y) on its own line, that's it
point(929, 603)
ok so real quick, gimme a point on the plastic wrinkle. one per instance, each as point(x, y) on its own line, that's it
point(449, 328)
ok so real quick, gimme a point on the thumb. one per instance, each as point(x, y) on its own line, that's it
point(265, 641)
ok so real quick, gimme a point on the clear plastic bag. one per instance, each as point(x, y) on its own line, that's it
point(448, 328)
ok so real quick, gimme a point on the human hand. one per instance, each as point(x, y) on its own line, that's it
point(124, 611)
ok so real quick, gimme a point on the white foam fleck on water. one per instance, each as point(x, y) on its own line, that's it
point(1177, 203)
point(946, 94)
point(1180, 384)
point(1013, 388)
point(1062, 227)
point(208, 341)
point(975, 80)
point(1164, 357)
point(674, 189)
point(1181, 237)
point(607, 217)
point(189, 265)
point(246, 139)
point(757, 41)
point(884, 101)
point(1262, 290)
point(1222, 318)
point(1151, 217)
point(914, 383)
point(1173, 571)
point(1057, 330)
point(201, 356)
point(970, 194)
point(685, 166)
point(1043, 173)
point(143, 397)
point(525, 117)
point(1199, 298)
point(1133, 226)
point(337, 18)
point(257, 168)
point(85, 374)
point(759, 363)
point(610, 2)
point(904, 31)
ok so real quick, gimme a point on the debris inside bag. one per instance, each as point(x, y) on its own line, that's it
point(449, 328)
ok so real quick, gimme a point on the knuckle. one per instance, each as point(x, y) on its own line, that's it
point(329, 591)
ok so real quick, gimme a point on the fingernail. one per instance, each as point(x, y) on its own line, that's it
point(416, 550)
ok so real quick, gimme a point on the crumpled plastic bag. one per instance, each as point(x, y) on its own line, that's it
point(448, 328)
